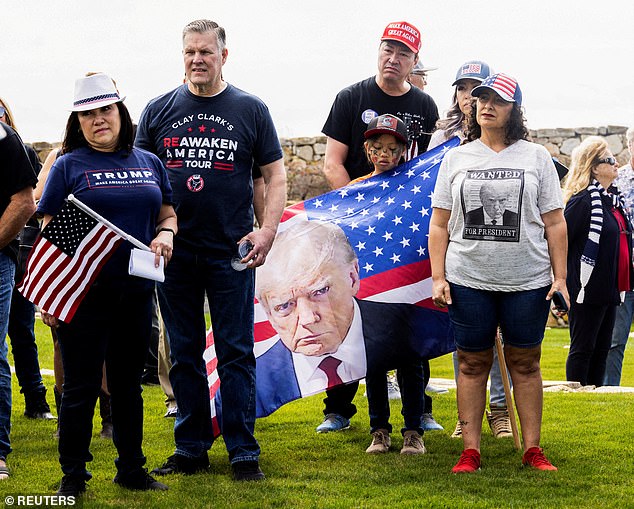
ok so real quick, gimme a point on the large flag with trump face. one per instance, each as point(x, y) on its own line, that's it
point(386, 221)
point(65, 260)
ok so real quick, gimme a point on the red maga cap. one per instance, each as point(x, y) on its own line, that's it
point(403, 32)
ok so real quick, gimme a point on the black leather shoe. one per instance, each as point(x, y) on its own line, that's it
point(179, 464)
point(71, 486)
point(140, 480)
point(247, 471)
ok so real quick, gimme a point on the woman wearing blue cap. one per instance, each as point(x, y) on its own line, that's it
point(469, 75)
point(497, 241)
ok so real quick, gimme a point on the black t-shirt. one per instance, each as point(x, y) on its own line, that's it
point(16, 173)
point(354, 108)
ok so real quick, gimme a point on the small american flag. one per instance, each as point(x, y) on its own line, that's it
point(386, 219)
point(471, 68)
point(505, 83)
point(65, 260)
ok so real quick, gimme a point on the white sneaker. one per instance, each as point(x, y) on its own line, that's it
point(428, 423)
point(393, 390)
point(432, 389)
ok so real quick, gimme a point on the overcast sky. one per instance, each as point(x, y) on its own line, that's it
point(572, 58)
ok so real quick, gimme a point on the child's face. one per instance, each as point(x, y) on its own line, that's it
point(384, 152)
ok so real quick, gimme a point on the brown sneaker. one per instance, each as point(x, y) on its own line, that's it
point(500, 423)
point(457, 433)
point(413, 443)
point(380, 442)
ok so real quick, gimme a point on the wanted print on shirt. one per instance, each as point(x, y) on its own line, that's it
point(491, 204)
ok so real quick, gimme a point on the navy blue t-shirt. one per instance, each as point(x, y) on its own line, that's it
point(127, 189)
point(209, 146)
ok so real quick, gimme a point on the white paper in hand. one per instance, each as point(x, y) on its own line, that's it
point(142, 265)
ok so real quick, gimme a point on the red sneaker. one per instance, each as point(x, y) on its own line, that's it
point(535, 458)
point(469, 462)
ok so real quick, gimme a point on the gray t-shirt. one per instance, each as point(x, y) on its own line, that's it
point(496, 199)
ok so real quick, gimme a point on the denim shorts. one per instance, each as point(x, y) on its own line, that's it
point(476, 314)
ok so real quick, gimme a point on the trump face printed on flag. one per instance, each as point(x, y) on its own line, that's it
point(345, 289)
point(307, 287)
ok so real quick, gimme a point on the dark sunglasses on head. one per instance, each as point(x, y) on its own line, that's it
point(608, 160)
point(2, 111)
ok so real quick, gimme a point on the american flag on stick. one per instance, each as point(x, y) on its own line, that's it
point(386, 219)
point(66, 259)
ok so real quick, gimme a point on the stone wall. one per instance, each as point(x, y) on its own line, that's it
point(43, 148)
point(304, 157)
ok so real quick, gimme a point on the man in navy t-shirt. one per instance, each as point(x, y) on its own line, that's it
point(209, 134)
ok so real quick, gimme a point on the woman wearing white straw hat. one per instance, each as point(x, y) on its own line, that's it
point(129, 187)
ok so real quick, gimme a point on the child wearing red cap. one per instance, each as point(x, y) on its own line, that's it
point(385, 144)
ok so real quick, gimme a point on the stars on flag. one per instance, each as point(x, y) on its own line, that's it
point(385, 217)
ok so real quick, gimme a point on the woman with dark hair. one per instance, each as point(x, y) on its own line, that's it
point(470, 75)
point(599, 258)
point(130, 188)
point(497, 256)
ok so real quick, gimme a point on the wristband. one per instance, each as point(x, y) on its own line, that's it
point(166, 230)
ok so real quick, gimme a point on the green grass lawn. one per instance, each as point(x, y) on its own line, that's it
point(588, 436)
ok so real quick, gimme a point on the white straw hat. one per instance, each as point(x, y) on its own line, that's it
point(94, 92)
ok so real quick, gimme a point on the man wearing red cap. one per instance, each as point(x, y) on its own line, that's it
point(386, 92)
point(353, 109)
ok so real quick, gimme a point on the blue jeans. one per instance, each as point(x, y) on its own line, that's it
point(7, 271)
point(188, 278)
point(412, 386)
point(620, 335)
point(23, 345)
point(113, 323)
point(476, 314)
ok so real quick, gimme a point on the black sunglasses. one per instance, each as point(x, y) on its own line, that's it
point(608, 160)
point(2, 111)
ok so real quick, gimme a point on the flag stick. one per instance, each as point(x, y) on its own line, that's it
point(104, 221)
point(507, 389)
